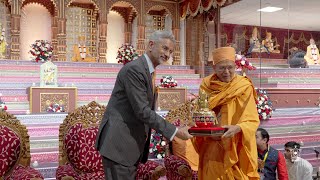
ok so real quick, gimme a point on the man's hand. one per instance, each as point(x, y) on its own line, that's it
point(183, 133)
point(232, 130)
point(260, 164)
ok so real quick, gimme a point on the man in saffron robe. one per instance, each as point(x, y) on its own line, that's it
point(232, 97)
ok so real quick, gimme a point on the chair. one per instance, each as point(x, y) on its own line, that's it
point(15, 150)
point(78, 158)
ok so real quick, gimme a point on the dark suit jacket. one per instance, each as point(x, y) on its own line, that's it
point(126, 124)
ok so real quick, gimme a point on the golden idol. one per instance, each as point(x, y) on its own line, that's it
point(205, 120)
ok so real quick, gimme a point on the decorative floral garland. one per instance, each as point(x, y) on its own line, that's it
point(41, 50)
point(264, 105)
point(168, 82)
point(126, 53)
point(158, 145)
point(55, 107)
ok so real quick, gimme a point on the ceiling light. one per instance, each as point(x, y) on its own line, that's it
point(270, 9)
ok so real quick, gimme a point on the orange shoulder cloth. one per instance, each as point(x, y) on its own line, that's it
point(221, 93)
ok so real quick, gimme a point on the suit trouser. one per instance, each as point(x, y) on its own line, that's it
point(116, 171)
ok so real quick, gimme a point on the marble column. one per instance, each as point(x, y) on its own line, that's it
point(61, 36)
point(54, 39)
point(128, 33)
point(103, 41)
point(15, 37)
point(176, 54)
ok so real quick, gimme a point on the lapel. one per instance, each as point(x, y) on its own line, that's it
point(145, 65)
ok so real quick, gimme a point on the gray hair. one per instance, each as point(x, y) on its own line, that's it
point(157, 35)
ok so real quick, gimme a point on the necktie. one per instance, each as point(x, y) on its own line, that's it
point(153, 75)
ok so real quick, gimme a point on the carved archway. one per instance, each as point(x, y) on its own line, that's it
point(91, 4)
point(159, 9)
point(7, 3)
point(48, 4)
point(126, 10)
point(134, 4)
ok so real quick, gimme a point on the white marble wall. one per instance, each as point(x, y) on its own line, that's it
point(35, 25)
point(115, 35)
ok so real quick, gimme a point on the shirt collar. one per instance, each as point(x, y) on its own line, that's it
point(150, 65)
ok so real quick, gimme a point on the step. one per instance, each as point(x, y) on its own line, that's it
point(44, 158)
point(267, 61)
point(49, 172)
point(44, 142)
point(68, 81)
point(266, 65)
point(83, 64)
point(68, 69)
point(60, 75)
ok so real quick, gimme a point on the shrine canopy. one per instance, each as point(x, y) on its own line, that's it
point(192, 7)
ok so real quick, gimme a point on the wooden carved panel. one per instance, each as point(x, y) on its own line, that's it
point(170, 98)
point(46, 99)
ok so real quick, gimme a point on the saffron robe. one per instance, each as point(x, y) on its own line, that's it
point(77, 57)
point(236, 157)
point(312, 56)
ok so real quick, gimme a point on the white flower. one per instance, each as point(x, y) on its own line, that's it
point(163, 143)
point(243, 62)
point(250, 64)
point(264, 115)
point(238, 56)
point(260, 102)
point(263, 99)
point(150, 150)
point(259, 110)
point(159, 156)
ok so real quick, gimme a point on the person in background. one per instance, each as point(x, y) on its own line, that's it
point(298, 168)
point(312, 56)
point(271, 161)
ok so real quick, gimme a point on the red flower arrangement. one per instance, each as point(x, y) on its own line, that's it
point(41, 50)
point(168, 82)
point(158, 144)
point(126, 53)
point(55, 107)
point(264, 105)
point(242, 63)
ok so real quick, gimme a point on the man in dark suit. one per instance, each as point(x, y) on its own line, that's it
point(124, 134)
